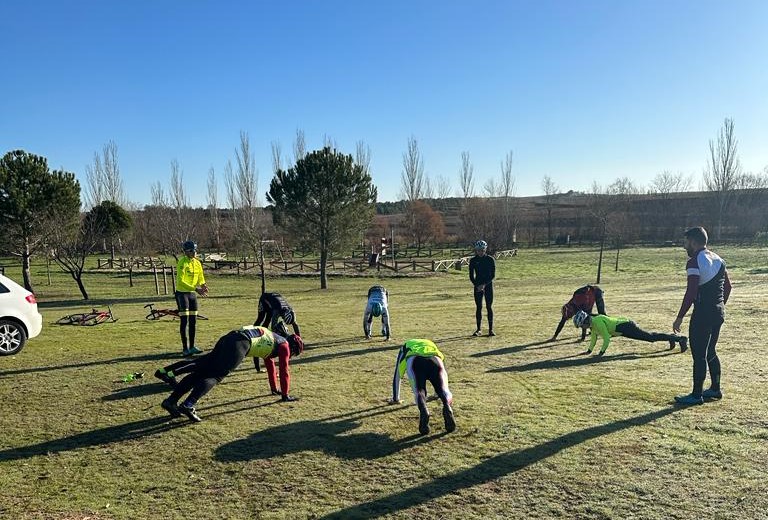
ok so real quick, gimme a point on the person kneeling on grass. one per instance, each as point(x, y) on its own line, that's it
point(207, 371)
point(423, 361)
point(607, 327)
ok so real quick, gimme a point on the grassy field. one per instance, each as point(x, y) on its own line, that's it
point(543, 432)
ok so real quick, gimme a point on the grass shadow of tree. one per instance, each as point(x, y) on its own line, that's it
point(100, 437)
point(346, 353)
point(518, 348)
point(490, 469)
point(144, 357)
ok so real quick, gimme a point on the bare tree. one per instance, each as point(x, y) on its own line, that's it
point(442, 187)
point(213, 208)
point(71, 247)
point(507, 192)
point(550, 190)
point(412, 176)
point(251, 227)
point(104, 179)
point(466, 176)
point(330, 142)
point(666, 183)
point(277, 156)
point(507, 179)
point(491, 188)
point(363, 156)
point(299, 146)
point(721, 175)
point(429, 189)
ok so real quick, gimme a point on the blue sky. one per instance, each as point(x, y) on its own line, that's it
point(581, 91)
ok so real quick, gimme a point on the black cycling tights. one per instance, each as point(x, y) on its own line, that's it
point(488, 294)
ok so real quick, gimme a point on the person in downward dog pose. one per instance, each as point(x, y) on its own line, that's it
point(378, 305)
point(423, 361)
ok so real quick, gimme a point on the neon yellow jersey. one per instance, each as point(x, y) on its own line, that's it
point(189, 274)
point(262, 341)
point(605, 326)
point(416, 347)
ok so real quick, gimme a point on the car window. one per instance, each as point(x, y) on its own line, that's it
point(4, 289)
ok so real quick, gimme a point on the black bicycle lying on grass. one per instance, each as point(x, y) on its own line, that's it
point(156, 314)
point(88, 319)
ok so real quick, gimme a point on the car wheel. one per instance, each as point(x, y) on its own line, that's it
point(12, 337)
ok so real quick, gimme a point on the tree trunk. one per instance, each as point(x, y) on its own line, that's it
point(600, 260)
point(323, 261)
point(79, 279)
point(261, 267)
point(25, 257)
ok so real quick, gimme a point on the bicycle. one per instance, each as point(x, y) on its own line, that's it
point(156, 314)
point(88, 319)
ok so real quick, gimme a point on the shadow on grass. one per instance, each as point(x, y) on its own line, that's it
point(325, 344)
point(517, 348)
point(145, 357)
point(760, 270)
point(578, 360)
point(490, 469)
point(346, 353)
point(330, 435)
point(100, 437)
point(103, 302)
point(137, 391)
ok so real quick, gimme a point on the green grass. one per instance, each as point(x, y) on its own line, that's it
point(542, 432)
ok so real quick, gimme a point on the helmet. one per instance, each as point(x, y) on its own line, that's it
point(296, 344)
point(376, 309)
point(189, 245)
point(288, 316)
point(580, 318)
point(481, 244)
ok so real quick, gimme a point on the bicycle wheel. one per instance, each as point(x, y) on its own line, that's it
point(154, 315)
point(201, 317)
point(70, 319)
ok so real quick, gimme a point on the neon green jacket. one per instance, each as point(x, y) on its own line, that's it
point(605, 326)
point(262, 341)
point(411, 348)
point(189, 274)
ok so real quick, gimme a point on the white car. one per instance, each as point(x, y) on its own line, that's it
point(19, 319)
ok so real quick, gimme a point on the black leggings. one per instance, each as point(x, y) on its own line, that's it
point(428, 369)
point(187, 306)
point(210, 369)
point(488, 294)
point(704, 331)
point(630, 330)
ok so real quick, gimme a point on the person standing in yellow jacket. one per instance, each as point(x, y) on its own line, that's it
point(423, 361)
point(608, 326)
point(190, 281)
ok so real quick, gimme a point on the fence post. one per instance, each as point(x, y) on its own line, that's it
point(165, 282)
point(433, 266)
point(157, 284)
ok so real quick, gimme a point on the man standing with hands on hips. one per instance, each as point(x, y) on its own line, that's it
point(708, 290)
point(482, 271)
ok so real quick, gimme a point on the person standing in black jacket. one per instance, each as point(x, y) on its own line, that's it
point(482, 271)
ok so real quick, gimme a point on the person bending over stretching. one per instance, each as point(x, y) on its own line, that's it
point(378, 305)
point(228, 353)
point(423, 361)
point(608, 327)
point(583, 299)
